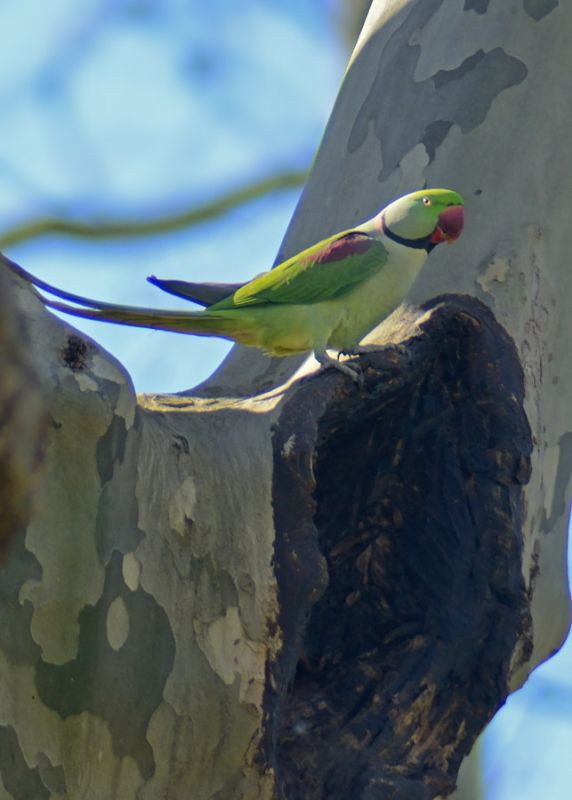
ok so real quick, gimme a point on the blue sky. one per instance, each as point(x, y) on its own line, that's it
point(138, 108)
point(133, 108)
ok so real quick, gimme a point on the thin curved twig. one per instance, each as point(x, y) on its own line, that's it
point(131, 228)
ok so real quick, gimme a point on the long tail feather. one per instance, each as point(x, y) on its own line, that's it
point(205, 294)
point(47, 287)
point(196, 322)
point(199, 323)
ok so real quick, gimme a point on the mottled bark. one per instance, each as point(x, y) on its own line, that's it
point(22, 421)
point(281, 587)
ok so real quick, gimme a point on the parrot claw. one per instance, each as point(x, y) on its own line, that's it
point(400, 350)
point(361, 350)
point(353, 371)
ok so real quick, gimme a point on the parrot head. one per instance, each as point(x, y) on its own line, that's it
point(425, 218)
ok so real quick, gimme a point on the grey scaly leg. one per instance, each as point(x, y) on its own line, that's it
point(326, 361)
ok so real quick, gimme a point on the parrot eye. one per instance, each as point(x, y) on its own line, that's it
point(426, 201)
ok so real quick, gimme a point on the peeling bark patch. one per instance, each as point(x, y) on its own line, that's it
point(493, 269)
point(434, 136)
point(111, 448)
point(461, 96)
point(538, 9)
point(559, 504)
point(445, 76)
point(417, 484)
point(115, 685)
point(75, 353)
point(483, 76)
point(15, 637)
point(117, 516)
point(18, 778)
point(53, 778)
point(480, 6)
point(117, 624)
point(131, 569)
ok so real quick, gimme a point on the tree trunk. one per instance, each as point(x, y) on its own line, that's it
point(22, 421)
point(298, 588)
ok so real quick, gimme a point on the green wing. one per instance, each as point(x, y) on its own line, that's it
point(324, 271)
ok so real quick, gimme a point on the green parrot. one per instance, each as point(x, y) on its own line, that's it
point(327, 297)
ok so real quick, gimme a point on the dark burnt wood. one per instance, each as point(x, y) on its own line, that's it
point(398, 508)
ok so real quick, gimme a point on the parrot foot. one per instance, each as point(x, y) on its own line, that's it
point(354, 372)
point(397, 350)
point(364, 349)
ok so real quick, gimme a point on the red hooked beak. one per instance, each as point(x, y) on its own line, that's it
point(450, 225)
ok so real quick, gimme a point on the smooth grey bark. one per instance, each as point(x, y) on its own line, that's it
point(175, 606)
